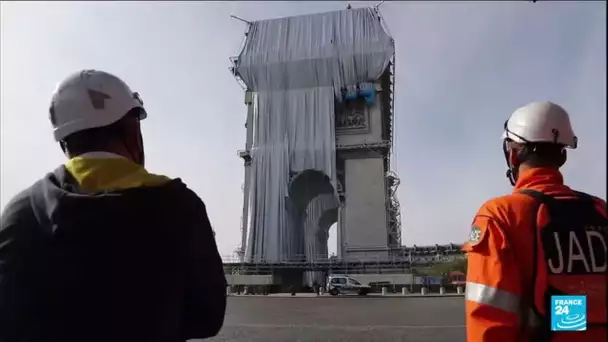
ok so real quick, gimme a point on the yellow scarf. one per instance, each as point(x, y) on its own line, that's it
point(96, 175)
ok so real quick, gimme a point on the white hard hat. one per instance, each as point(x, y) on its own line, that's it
point(540, 122)
point(90, 99)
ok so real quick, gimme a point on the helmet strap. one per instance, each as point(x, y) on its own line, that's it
point(64, 147)
point(128, 149)
point(136, 156)
point(142, 155)
point(522, 155)
point(513, 169)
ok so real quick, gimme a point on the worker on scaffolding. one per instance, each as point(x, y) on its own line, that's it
point(100, 249)
point(527, 249)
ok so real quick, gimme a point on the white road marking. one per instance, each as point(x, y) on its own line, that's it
point(343, 327)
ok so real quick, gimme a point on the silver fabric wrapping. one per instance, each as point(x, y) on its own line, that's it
point(296, 68)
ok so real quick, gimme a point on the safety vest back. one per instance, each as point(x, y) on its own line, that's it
point(570, 251)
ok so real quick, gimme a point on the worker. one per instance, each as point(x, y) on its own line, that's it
point(100, 249)
point(542, 240)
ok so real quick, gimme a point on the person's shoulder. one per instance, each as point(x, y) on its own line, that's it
point(600, 203)
point(28, 200)
point(491, 221)
point(496, 217)
point(182, 195)
point(593, 197)
point(180, 188)
point(20, 206)
point(21, 201)
point(501, 205)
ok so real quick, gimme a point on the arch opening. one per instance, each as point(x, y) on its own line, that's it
point(314, 199)
point(308, 184)
point(332, 241)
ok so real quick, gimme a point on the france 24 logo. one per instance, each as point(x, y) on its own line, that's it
point(568, 313)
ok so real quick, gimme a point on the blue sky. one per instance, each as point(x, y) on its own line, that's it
point(462, 68)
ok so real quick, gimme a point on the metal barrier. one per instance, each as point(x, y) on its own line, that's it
point(415, 254)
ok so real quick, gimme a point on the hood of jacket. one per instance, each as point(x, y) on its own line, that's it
point(86, 183)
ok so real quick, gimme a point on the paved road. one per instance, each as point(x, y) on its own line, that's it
point(354, 319)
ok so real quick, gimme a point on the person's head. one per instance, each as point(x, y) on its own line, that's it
point(537, 135)
point(94, 111)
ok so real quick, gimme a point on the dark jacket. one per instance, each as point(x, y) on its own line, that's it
point(130, 265)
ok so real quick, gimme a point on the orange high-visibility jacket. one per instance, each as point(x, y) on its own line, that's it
point(500, 252)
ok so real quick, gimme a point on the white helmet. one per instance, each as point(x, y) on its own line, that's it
point(91, 99)
point(540, 122)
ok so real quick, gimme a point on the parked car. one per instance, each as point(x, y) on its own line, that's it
point(342, 284)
